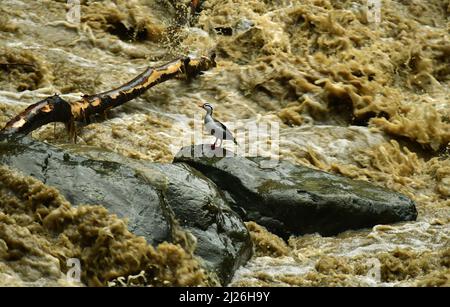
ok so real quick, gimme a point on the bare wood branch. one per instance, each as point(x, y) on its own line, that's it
point(56, 109)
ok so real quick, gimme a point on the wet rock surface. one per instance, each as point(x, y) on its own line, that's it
point(155, 198)
point(290, 199)
point(200, 208)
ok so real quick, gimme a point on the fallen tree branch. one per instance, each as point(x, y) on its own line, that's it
point(56, 109)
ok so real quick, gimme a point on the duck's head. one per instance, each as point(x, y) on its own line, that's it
point(208, 107)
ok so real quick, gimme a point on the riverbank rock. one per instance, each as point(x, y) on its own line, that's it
point(291, 199)
point(162, 202)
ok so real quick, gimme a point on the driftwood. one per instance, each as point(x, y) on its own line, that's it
point(55, 109)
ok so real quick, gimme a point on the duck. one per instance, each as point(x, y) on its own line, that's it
point(215, 127)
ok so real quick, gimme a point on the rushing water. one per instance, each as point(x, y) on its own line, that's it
point(366, 99)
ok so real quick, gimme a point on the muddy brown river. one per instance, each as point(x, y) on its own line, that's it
point(345, 92)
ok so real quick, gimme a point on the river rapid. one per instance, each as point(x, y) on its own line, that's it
point(367, 99)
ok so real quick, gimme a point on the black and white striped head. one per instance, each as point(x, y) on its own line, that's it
point(208, 107)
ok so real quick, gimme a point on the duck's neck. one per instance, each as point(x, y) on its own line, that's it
point(208, 117)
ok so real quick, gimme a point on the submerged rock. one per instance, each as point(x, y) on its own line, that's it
point(291, 199)
point(162, 202)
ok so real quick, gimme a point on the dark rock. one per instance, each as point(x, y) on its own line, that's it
point(222, 238)
point(156, 198)
point(290, 199)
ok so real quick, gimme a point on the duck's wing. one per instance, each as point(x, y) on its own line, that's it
point(228, 135)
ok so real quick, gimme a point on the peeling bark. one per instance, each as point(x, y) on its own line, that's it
point(56, 109)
